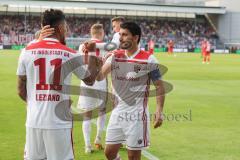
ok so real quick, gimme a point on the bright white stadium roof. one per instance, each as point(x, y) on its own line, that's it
point(109, 8)
point(165, 2)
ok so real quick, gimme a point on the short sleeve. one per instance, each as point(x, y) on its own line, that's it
point(152, 59)
point(116, 38)
point(155, 72)
point(21, 69)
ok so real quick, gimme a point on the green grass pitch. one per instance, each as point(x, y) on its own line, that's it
point(210, 92)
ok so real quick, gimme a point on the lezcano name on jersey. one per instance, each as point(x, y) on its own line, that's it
point(47, 97)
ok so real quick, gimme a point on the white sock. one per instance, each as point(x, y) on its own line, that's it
point(86, 128)
point(100, 125)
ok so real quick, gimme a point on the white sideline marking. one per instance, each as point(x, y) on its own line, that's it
point(148, 155)
point(145, 153)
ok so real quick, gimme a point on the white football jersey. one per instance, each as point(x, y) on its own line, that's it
point(43, 65)
point(116, 38)
point(31, 42)
point(131, 78)
point(102, 85)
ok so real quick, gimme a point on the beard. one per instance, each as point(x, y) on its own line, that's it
point(125, 45)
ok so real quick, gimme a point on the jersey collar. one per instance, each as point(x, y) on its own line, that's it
point(95, 39)
point(134, 54)
point(51, 39)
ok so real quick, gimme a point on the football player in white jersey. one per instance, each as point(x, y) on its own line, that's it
point(116, 22)
point(41, 85)
point(131, 70)
point(88, 103)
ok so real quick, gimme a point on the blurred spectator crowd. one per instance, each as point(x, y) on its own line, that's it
point(186, 33)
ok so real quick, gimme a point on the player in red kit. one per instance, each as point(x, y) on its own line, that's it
point(151, 46)
point(170, 47)
point(203, 48)
point(206, 48)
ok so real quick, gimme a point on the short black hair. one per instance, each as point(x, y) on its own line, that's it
point(52, 17)
point(133, 28)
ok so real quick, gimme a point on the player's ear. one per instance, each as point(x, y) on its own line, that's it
point(136, 37)
point(60, 28)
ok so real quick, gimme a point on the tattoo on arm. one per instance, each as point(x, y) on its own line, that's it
point(22, 87)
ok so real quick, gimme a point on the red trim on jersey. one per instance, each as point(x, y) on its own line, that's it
point(97, 52)
point(144, 117)
point(48, 44)
point(113, 97)
point(143, 55)
point(130, 61)
point(97, 41)
point(72, 141)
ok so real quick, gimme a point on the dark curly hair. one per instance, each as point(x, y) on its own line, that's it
point(52, 17)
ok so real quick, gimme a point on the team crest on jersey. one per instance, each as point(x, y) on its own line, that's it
point(137, 68)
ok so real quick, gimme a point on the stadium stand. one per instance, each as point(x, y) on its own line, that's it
point(186, 33)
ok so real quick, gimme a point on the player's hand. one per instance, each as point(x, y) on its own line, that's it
point(88, 46)
point(158, 119)
point(46, 31)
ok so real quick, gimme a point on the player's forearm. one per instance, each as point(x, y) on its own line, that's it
point(22, 90)
point(105, 70)
point(160, 97)
point(100, 76)
point(22, 87)
point(160, 103)
point(94, 67)
point(23, 96)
